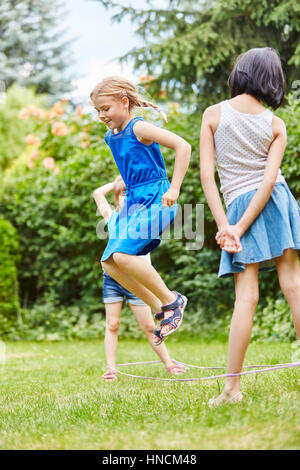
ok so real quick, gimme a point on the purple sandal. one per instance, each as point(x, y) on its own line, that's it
point(174, 320)
point(156, 332)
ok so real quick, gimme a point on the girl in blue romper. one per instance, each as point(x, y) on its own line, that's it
point(261, 230)
point(150, 204)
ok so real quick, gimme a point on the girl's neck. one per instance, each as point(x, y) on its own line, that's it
point(125, 122)
point(247, 104)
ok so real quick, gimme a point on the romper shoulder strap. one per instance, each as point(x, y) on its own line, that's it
point(134, 120)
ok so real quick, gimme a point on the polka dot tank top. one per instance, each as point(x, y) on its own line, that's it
point(242, 143)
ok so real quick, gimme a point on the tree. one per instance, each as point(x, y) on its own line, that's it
point(33, 52)
point(190, 45)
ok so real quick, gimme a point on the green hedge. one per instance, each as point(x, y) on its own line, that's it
point(9, 256)
point(55, 216)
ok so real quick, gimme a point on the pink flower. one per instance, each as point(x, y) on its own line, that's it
point(58, 108)
point(79, 111)
point(30, 164)
point(32, 140)
point(23, 114)
point(48, 163)
point(38, 114)
point(56, 169)
point(34, 155)
point(59, 128)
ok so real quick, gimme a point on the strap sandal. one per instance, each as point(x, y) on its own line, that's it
point(110, 375)
point(158, 338)
point(159, 315)
point(174, 320)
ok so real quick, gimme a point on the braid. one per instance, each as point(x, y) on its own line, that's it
point(147, 104)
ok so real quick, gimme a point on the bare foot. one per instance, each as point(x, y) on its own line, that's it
point(110, 375)
point(226, 397)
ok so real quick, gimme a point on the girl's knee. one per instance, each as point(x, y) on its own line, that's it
point(290, 286)
point(113, 326)
point(250, 298)
point(119, 258)
point(148, 328)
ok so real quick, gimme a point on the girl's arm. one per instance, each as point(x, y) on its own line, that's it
point(209, 124)
point(263, 193)
point(100, 199)
point(147, 134)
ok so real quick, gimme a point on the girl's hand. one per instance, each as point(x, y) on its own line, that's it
point(228, 238)
point(170, 197)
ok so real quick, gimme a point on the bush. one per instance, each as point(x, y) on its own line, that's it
point(47, 196)
point(9, 255)
point(274, 322)
point(13, 130)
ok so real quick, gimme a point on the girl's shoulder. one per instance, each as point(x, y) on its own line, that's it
point(212, 115)
point(278, 126)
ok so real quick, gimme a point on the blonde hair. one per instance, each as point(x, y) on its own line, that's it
point(120, 87)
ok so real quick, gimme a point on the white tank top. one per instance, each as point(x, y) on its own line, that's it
point(242, 143)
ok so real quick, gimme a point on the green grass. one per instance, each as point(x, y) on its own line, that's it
point(52, 397)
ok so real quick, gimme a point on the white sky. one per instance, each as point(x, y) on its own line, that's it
point(99, 42)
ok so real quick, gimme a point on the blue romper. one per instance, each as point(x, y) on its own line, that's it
point(142, 218)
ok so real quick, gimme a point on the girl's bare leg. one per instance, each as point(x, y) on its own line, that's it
point(143, 272)
point(145, 320)
point(246, 292)
point(131, 284)
point(113, 315)
point(288, 271)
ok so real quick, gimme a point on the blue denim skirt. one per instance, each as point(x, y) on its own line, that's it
point(274, 230)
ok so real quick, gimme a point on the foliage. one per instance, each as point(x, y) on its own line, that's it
point(48, 198)
point(9, 255)
point(190, 46)
point(49, 320)
point(13, 130)
point(291, 162)
point(33, 51)
point(274, 322)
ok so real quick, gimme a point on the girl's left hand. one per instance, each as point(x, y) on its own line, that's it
point(229, 239)
point(170, 197)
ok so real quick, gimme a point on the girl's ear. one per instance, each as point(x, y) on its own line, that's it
point(125, 101)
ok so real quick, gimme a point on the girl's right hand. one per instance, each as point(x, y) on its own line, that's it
point(170, 197)
point(228, 238)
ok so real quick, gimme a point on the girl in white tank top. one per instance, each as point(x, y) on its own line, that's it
point(261, 229)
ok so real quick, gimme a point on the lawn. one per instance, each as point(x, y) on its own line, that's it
point(52, 397)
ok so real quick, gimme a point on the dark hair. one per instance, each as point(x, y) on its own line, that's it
point(258, 72)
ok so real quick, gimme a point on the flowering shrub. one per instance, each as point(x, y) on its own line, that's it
point(49, 201)
point(59, 132)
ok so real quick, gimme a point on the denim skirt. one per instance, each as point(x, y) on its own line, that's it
point(274, 230)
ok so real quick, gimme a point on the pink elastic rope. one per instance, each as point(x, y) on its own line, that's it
point(269, 368)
